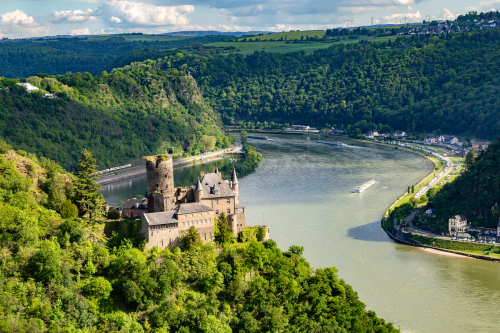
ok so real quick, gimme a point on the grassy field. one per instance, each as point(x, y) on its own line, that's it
point(136, 38)
point(292, 35)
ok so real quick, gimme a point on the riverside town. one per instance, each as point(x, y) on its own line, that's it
point(216, 167)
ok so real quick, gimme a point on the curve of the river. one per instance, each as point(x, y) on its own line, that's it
point(302, 191)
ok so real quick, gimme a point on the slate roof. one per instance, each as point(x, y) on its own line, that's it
point(136, 204)
point(161, 218)
point(214, 187)
point(234, 179)
point(460, 217)
point(192, 207)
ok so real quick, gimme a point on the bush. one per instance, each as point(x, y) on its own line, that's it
point(4, 147)
point(114, 214)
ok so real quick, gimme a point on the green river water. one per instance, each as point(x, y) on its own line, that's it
point(302, 191)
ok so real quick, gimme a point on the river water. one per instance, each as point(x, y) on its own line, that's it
point(302, 191)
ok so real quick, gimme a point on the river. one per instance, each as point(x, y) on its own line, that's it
point(302, 191)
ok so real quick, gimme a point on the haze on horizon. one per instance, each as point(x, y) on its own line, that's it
point(19, 19)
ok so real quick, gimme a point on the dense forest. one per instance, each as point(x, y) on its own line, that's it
point(26, 58)
point(447, 83)
point(59, 273)
point(118, 117)
point(475, 193)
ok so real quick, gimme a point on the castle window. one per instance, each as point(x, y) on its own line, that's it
point(229, 211)
point(185, 216)
point(216, 212)
point(196, 222)
point(205, 221)
point(182, 223)
point(191, 215)
point(228, 200)
point(200, 214)
point(216, 202)
point(208, 220)
point(206, 213)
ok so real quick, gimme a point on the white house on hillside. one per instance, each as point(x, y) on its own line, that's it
point(28, 86)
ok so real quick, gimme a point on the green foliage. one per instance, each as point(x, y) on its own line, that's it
point(68, 210)
point(88, 200)
point(222, 232)
point(114, 214)
point(45, 264)
point(475, 193)
point(402, 211)
point(457, 246)
point(191, 238)
point(4, 147)
point(56, 192)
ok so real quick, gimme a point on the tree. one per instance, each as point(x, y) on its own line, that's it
point(56, 192)
point(113, 214)
point(244, 138)
point(68, 210)
point(469, 160)
point(413, 189)
point(88, 200)
point(207, 142)
point(45, 265)
point(192, 238)
point(222, 233)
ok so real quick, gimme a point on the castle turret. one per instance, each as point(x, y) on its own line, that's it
point(234, 185)
point(198, 192)
point(216, 169)
point(160, 180)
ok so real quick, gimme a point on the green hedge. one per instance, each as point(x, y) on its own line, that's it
point(252, 234)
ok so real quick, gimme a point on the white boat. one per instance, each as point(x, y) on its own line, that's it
point(338, 143)
point(364, 187)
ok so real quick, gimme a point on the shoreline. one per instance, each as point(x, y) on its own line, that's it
point(426, 248)
point(177, 164)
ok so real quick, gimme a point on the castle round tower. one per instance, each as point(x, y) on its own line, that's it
point(160, 178)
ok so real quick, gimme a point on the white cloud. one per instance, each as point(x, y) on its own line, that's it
point(396, 18)
point(445, 14)
point(18, 23)
point(489, 3)
point(18, 18)
point(83, 31)
point(76, 16)
point(142, 14)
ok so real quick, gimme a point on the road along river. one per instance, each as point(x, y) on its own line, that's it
point(302, 191)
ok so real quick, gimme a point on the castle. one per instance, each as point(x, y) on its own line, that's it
point(171, 211)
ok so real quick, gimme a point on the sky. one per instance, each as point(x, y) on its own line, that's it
point(20, 19)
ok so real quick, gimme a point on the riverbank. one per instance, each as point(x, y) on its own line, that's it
point(419, 240)
point(177, 163)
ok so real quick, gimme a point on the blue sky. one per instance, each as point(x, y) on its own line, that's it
point(42, 18)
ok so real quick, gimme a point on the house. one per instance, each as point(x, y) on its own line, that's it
point(135, 207)
point(298, 128)
point(433, 139)
point(480, 145)
point(334, 131)
point(28, 86)
point(458, 225)
point(451, 139)
point(399, 134)
point(460, 142)
point(371, 134)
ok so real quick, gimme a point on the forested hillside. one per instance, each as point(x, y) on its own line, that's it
point(58, 273)
point(448, 83)
point(475, 193)
point(118, 117)
point(26, 58)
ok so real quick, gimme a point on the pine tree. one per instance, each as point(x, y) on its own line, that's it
point(89, 202)
point(69, 210)
point(223, 233)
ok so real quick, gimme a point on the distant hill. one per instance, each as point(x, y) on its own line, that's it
point(476, 193)
point(118, 117)
point(20, 59)
point(214, 33)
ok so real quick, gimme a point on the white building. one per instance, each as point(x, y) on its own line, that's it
point(28, 86)
point(299, 128)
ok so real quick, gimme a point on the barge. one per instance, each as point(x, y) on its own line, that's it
point(338, 143)
point(364, 187)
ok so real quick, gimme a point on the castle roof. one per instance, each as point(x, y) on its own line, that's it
point(234, 179)
point(215, 187)
point(198, 186)
point(216, 169)
point(161, 218)
point(192, 207)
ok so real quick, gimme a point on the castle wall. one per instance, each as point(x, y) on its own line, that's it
point(221, 205)
point(184, 194)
